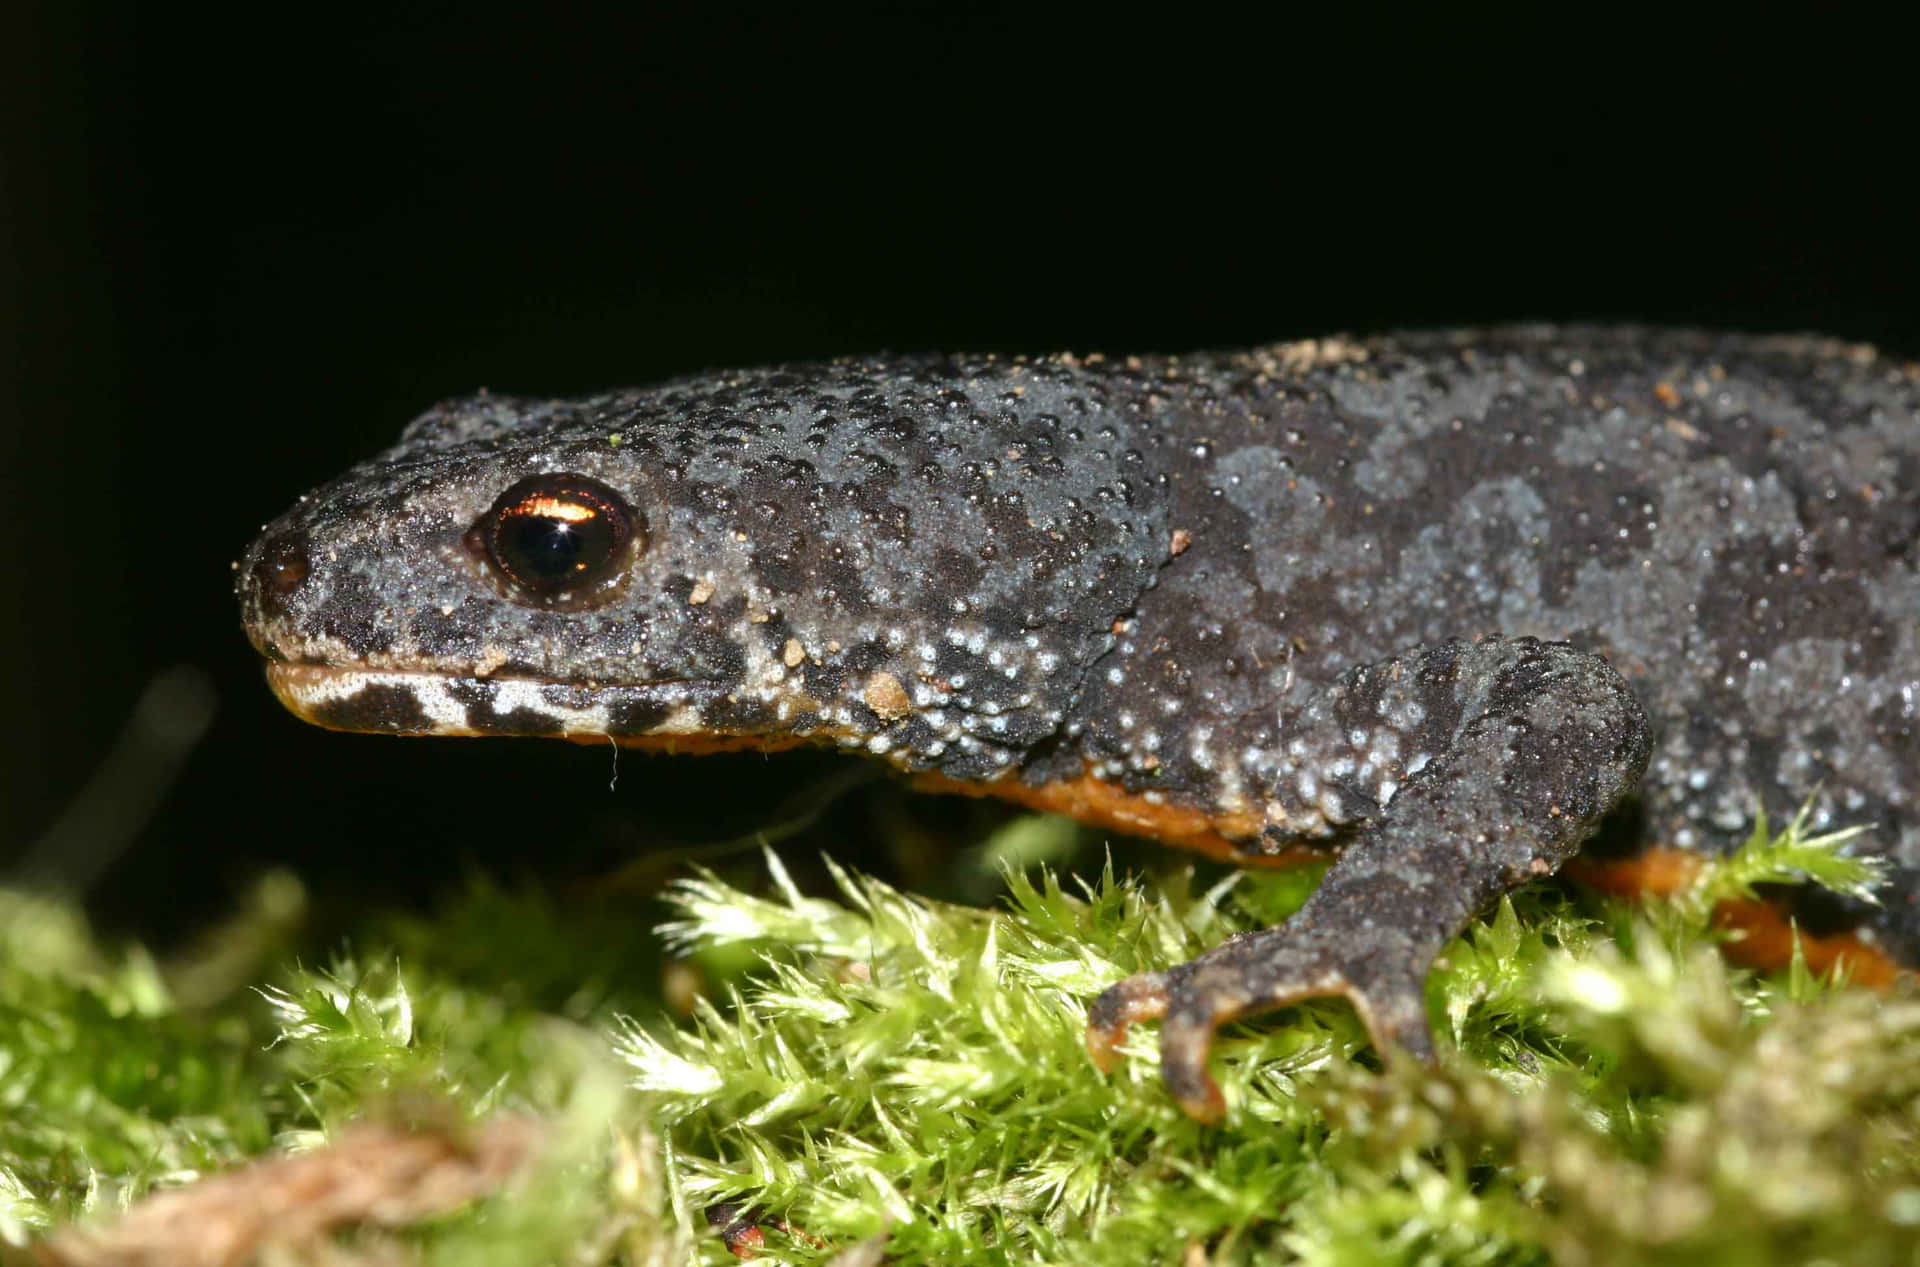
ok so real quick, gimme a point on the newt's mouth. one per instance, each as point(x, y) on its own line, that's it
point(680, 713)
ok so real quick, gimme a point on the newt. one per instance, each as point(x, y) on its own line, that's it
point(1437, 604)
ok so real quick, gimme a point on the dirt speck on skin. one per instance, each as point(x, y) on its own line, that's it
point(886, 697)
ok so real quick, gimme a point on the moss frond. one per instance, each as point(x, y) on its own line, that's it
point(1788, 856)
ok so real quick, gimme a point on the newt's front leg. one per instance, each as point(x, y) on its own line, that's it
point(1461, 771)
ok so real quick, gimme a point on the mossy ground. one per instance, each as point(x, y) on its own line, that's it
point(872, 1069)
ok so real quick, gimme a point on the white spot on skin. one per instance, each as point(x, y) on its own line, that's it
point(515, 696)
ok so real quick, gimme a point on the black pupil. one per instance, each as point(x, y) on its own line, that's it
point(554, 549)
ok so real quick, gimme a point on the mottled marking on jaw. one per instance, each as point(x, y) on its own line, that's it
point(385, 702)
point(530, 697)
point(398, 703)
point(347, 700)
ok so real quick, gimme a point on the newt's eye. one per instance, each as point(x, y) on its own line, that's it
point(558, 541)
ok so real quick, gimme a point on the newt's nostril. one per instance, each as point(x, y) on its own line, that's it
point(279, 570)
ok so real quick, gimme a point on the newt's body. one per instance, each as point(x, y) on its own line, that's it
point(1441, 602)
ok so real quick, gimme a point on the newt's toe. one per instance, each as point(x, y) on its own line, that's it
point(1254, 973)
point(1142, 997)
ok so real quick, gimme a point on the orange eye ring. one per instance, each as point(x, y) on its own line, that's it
point(558, 541)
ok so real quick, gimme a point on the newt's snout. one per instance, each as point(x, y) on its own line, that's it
point(269, 578)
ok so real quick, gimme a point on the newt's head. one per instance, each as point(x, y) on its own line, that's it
point(918, 558)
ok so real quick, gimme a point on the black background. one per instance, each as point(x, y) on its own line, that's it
point(242, 249)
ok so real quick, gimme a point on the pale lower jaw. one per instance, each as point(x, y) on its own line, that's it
point(398, 703)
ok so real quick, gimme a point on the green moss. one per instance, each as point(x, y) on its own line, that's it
point(105, 1088)
point(878, 1064)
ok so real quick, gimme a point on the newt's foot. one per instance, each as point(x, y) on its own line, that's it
point(1523, 746)
point(1253, 973)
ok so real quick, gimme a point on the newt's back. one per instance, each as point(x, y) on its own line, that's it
point(1730, 521)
